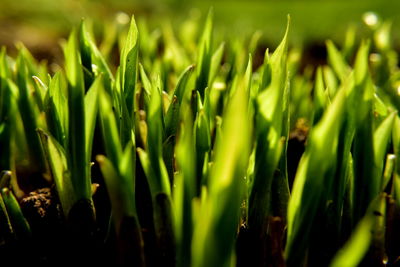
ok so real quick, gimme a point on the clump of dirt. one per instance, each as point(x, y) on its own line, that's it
point(42, 210)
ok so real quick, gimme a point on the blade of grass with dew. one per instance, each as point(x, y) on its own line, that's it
point(84, 47)
point(92, 59)
point(217, 222)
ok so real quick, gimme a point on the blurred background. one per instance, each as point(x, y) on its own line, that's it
point(41, 24)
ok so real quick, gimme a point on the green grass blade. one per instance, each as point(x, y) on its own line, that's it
point(6, 229)
point(216, 63)
point(56, 157)
point(91, 109)
point(110, 131)
point(92, 59)
point(19, 224)
point(382, 137)
point(29, 117)
point(129, 66)
point(154, 145)
point(77, 158)
point(205, 55)
point(120, 184)
point(217, 222)
point(7, 120)
point(355, 249)
point(312, 174)
point(337, 61)
point(271, 123)
point(184, 190)
point(202, 140)
point(181, 86)
point(320, 100)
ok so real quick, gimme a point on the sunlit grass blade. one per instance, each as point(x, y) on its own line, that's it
point(91, 110)
point(382, 137)
point(158, 179)
point(313, 172)
point(216, 63)
point(202, 139)
point(77, 159)
point(355, 249)
point(121, 187)
point(205, 55)
point(218, 218)
point(337, 61)
point(92, 59)
point(320, 99)
point(56, 110)
point(184, 190)
point(181, 86)
point(110, 131)
point(129, 66)
point(271, 131)
point(56, 157)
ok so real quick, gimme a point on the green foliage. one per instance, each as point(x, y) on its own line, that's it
point(196, 147)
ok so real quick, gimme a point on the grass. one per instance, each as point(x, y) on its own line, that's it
point(182, 153)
